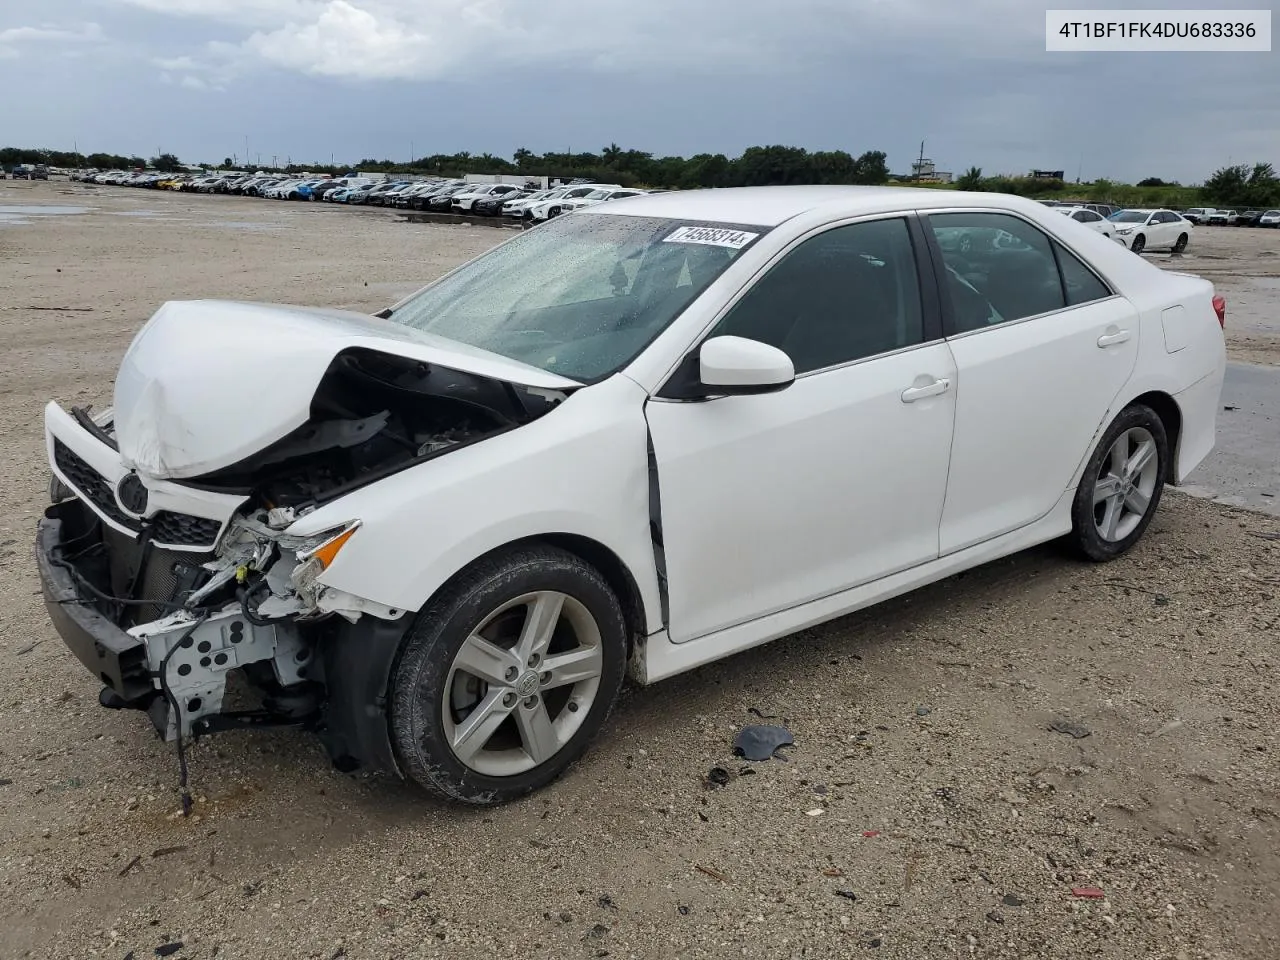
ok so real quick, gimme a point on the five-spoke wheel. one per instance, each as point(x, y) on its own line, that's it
point(1122, 484)
point(507, 674)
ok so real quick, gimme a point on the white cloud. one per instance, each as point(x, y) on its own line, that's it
point(14, 39)
point(435, 39)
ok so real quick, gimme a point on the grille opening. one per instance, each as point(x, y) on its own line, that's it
point(167, 527)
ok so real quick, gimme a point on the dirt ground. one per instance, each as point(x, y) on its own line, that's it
point(926, 810)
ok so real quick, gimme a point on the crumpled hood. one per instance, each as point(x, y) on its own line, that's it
point(206, 383)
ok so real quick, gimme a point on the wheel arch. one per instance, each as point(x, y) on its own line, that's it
point(1167, 409)
point(611, 566)
point(360, 657)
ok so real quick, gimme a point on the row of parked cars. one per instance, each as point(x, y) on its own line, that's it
point(1233, 218)
point(1209, 216)
point(1138, 229)
point(517, 201)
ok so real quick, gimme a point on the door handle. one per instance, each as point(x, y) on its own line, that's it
point(912, 394)
point(1111, 339)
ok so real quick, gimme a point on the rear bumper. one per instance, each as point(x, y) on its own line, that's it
point(109, 653)
point(1199, 405)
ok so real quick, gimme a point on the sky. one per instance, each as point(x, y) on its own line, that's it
point(311, 79)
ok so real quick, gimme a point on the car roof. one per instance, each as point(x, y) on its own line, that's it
point(770, 206)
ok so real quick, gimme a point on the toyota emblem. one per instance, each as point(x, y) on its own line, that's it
point(132, 495)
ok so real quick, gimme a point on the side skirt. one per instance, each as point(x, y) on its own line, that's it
point(660, 658)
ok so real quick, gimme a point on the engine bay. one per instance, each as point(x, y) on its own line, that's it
point(374, 414)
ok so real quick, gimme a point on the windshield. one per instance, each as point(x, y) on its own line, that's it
point(1130, 216)
point(581, 295)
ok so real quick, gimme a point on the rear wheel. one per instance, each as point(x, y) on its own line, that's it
point(506, 676)
point(1139, 244)
point(1181, 244)
point(1121, 486)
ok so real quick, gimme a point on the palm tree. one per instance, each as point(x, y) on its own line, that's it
point(611, 155)
point(971, 179)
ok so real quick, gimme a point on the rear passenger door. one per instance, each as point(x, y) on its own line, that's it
point(1042, 347)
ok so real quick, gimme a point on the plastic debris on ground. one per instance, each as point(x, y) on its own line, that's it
point(1072, 729)
point(759, 742)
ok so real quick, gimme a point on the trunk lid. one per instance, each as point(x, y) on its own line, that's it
point(206, 383)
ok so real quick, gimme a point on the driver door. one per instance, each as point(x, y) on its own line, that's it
point(773, 500)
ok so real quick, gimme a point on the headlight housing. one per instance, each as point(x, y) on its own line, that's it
point(315, 555)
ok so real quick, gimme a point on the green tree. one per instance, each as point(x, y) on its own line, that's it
point(971, 179)
point(871, 168)
point(1227, 185)
point(166, 163)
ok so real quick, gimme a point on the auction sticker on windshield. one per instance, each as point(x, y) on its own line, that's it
point(712, 236)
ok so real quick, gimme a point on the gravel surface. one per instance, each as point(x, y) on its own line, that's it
point(964, 759)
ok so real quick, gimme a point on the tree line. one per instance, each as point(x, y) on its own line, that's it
point(1241, 185)
point(757, 166)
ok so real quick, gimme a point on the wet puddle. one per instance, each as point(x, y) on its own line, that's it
point(246, 225)
point(37, 210)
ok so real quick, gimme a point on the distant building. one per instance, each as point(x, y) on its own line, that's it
point(926, 171)
point(1048, 174)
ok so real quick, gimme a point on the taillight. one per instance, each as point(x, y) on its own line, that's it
point(1220, 308)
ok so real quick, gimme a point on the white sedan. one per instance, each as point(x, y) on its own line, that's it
point(1090, 218)
point(637, 439)
point(467, 199)
point(1141, 230)
point(598, 196)
point(553, 207)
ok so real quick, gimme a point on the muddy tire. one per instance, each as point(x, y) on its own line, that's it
point(507, 675)
point(1121, 485)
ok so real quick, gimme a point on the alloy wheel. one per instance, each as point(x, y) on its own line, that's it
point(522, 684)
point(1125, 484)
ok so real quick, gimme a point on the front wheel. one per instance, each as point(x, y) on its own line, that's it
point(507, 675)
point(1139, 244)
point(1121, 486)
point(1181, 244)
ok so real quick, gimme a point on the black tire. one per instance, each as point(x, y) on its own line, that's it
point(1085, 537)
point(1139, 244)
point(424, 663)
point(553, 212)
point(1181, 244)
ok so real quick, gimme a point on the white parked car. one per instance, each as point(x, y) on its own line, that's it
point(598, 196)
point(1090, 218)
point(1271, 218)
point(517, 207)
point(1141, 230)
point(546, 209)
point(639, 438)
point(1222, 218)
point(467, 200)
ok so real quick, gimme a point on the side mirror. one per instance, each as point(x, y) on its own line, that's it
point(736, 365)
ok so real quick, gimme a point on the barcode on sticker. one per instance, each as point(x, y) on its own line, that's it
point(712, 236)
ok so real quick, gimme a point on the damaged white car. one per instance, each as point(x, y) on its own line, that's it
point(642, 437)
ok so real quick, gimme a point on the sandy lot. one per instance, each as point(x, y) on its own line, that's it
point(926, 810)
